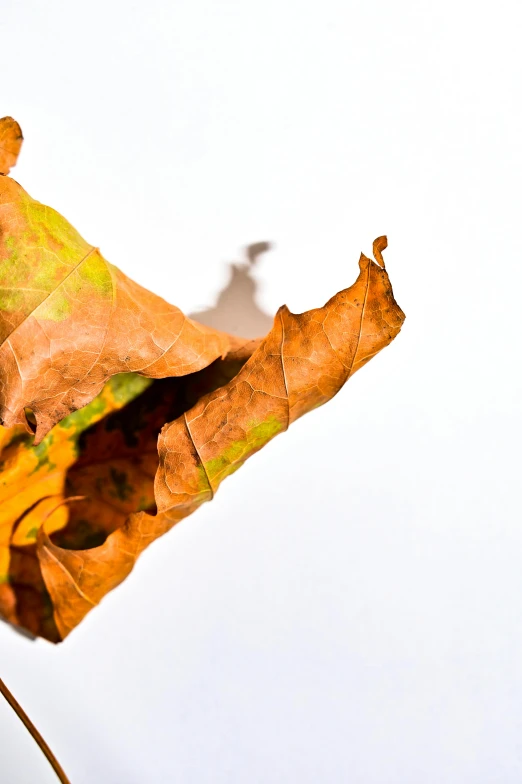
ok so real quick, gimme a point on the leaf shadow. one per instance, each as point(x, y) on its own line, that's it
point(236, 309)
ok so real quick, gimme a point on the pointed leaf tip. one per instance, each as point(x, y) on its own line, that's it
point(363, 261)
point(11, 139)
point(378, 246)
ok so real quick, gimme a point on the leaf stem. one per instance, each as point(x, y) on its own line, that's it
point(24, 718)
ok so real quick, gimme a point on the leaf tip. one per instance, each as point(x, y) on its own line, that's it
point(379, 245)
point(11, 139)
point(363, 261)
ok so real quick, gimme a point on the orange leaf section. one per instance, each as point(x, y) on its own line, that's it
point(35, 491)
point(301, 364)
point(10, 143)
point(69, 320)
point(90, 472)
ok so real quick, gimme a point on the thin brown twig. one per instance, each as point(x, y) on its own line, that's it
point(24, 718)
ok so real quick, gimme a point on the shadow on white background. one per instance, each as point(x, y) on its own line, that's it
point(236, 309)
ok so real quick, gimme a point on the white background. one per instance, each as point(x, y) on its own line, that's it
point(349, 607)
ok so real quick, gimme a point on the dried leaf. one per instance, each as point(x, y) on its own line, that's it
point(120, 457)
point(69, 320)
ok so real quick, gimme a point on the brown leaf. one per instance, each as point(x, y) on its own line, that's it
point(82, 502)
point(10, 143)
point(69, 320)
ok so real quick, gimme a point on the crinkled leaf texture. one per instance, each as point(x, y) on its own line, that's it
point(120, 415)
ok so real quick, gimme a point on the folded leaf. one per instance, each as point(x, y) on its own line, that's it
point(69, 320)
point(140, 413)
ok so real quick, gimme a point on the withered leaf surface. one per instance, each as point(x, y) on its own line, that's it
point(139, 412)
point(69, 320)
